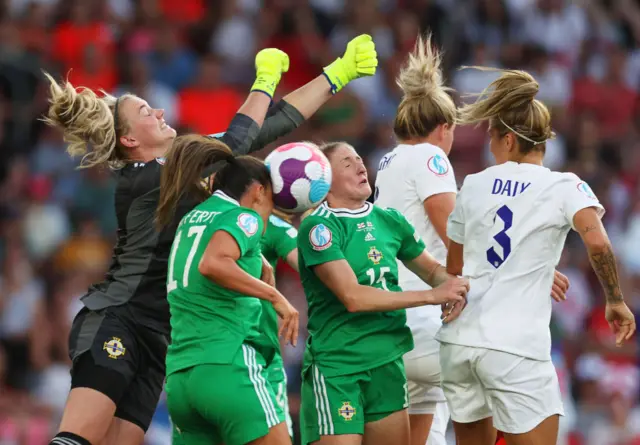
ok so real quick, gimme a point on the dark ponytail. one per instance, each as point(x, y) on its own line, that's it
point(185, 164)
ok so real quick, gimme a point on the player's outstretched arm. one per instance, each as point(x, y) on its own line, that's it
point(428, 269)
point(245, 127)
point(359, 60)
point(435, 275)
point(219, 264)
point(342, 281)
point(588, 225)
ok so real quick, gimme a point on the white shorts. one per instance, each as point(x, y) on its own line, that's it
point(519, 393)
point(423, 379)
point(438, 431)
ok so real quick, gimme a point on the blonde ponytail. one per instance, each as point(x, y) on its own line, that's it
point(509, 104)
point(426, 102)
point(87, 122)
point(283, 216)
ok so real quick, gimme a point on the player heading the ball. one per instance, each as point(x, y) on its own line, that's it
point(218, 390)
point(353, 374)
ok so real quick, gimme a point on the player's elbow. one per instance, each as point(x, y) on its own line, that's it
point(352, 306)
point(351, 301)
point(211, 268)
point(597, 243)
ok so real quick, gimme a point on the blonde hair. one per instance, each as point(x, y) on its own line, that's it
point(283, 215)
point(426, 102)
point(509, 104)
point(328, 148)
point(88, 123)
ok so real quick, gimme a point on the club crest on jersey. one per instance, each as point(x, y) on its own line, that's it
point(320, 237)
point(248, 223)
point(375, 255)
point(438, 165)
point(346, 411)
point(114, 348)
point(584, 188)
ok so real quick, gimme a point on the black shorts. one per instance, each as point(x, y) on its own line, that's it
point(119, 358)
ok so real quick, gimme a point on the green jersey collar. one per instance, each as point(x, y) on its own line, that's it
point(349, 213)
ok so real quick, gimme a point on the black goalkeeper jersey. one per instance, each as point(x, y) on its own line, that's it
point(137, 276)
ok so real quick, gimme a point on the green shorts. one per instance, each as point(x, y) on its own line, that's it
point(228, 403)
point(277, 378)
point(343, 404)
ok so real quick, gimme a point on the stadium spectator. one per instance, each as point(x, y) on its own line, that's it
point(170, 62)
point(206, 90)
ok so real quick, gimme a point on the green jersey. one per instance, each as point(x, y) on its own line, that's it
point(209, 323)
point(279, 240)
point(369, 239)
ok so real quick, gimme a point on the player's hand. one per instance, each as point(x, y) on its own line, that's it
point(268, 274)
point(290, 319)
point(452, 309)
point(560, 286)
point(359, 60)
point(621, 321)
point(271, 63)
point(451, 291)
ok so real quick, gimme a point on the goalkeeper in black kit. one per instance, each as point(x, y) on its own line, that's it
point(118, 341)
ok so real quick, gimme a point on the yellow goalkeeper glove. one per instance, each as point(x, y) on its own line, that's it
point(270, 64)
point(359, 60)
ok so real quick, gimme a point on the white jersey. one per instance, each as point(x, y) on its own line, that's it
point(513, 220)
point(406, 177)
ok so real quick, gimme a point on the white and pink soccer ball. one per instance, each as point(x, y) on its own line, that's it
point(301, 176)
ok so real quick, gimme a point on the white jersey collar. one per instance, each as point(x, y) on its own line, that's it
point(524, 166)
point(222, 195)
point(418, 146)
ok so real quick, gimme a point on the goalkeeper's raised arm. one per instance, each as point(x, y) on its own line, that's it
point(248, 133)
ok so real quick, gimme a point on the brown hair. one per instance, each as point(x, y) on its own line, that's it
point(426, 102)
point(184, 168)
point(509, 104)
point(87, 122)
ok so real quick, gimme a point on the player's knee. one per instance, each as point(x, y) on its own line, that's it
point(65, 438)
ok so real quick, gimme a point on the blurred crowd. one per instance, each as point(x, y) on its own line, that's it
point(194, 58)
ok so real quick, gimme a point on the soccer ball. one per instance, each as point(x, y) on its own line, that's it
point(301, 176)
